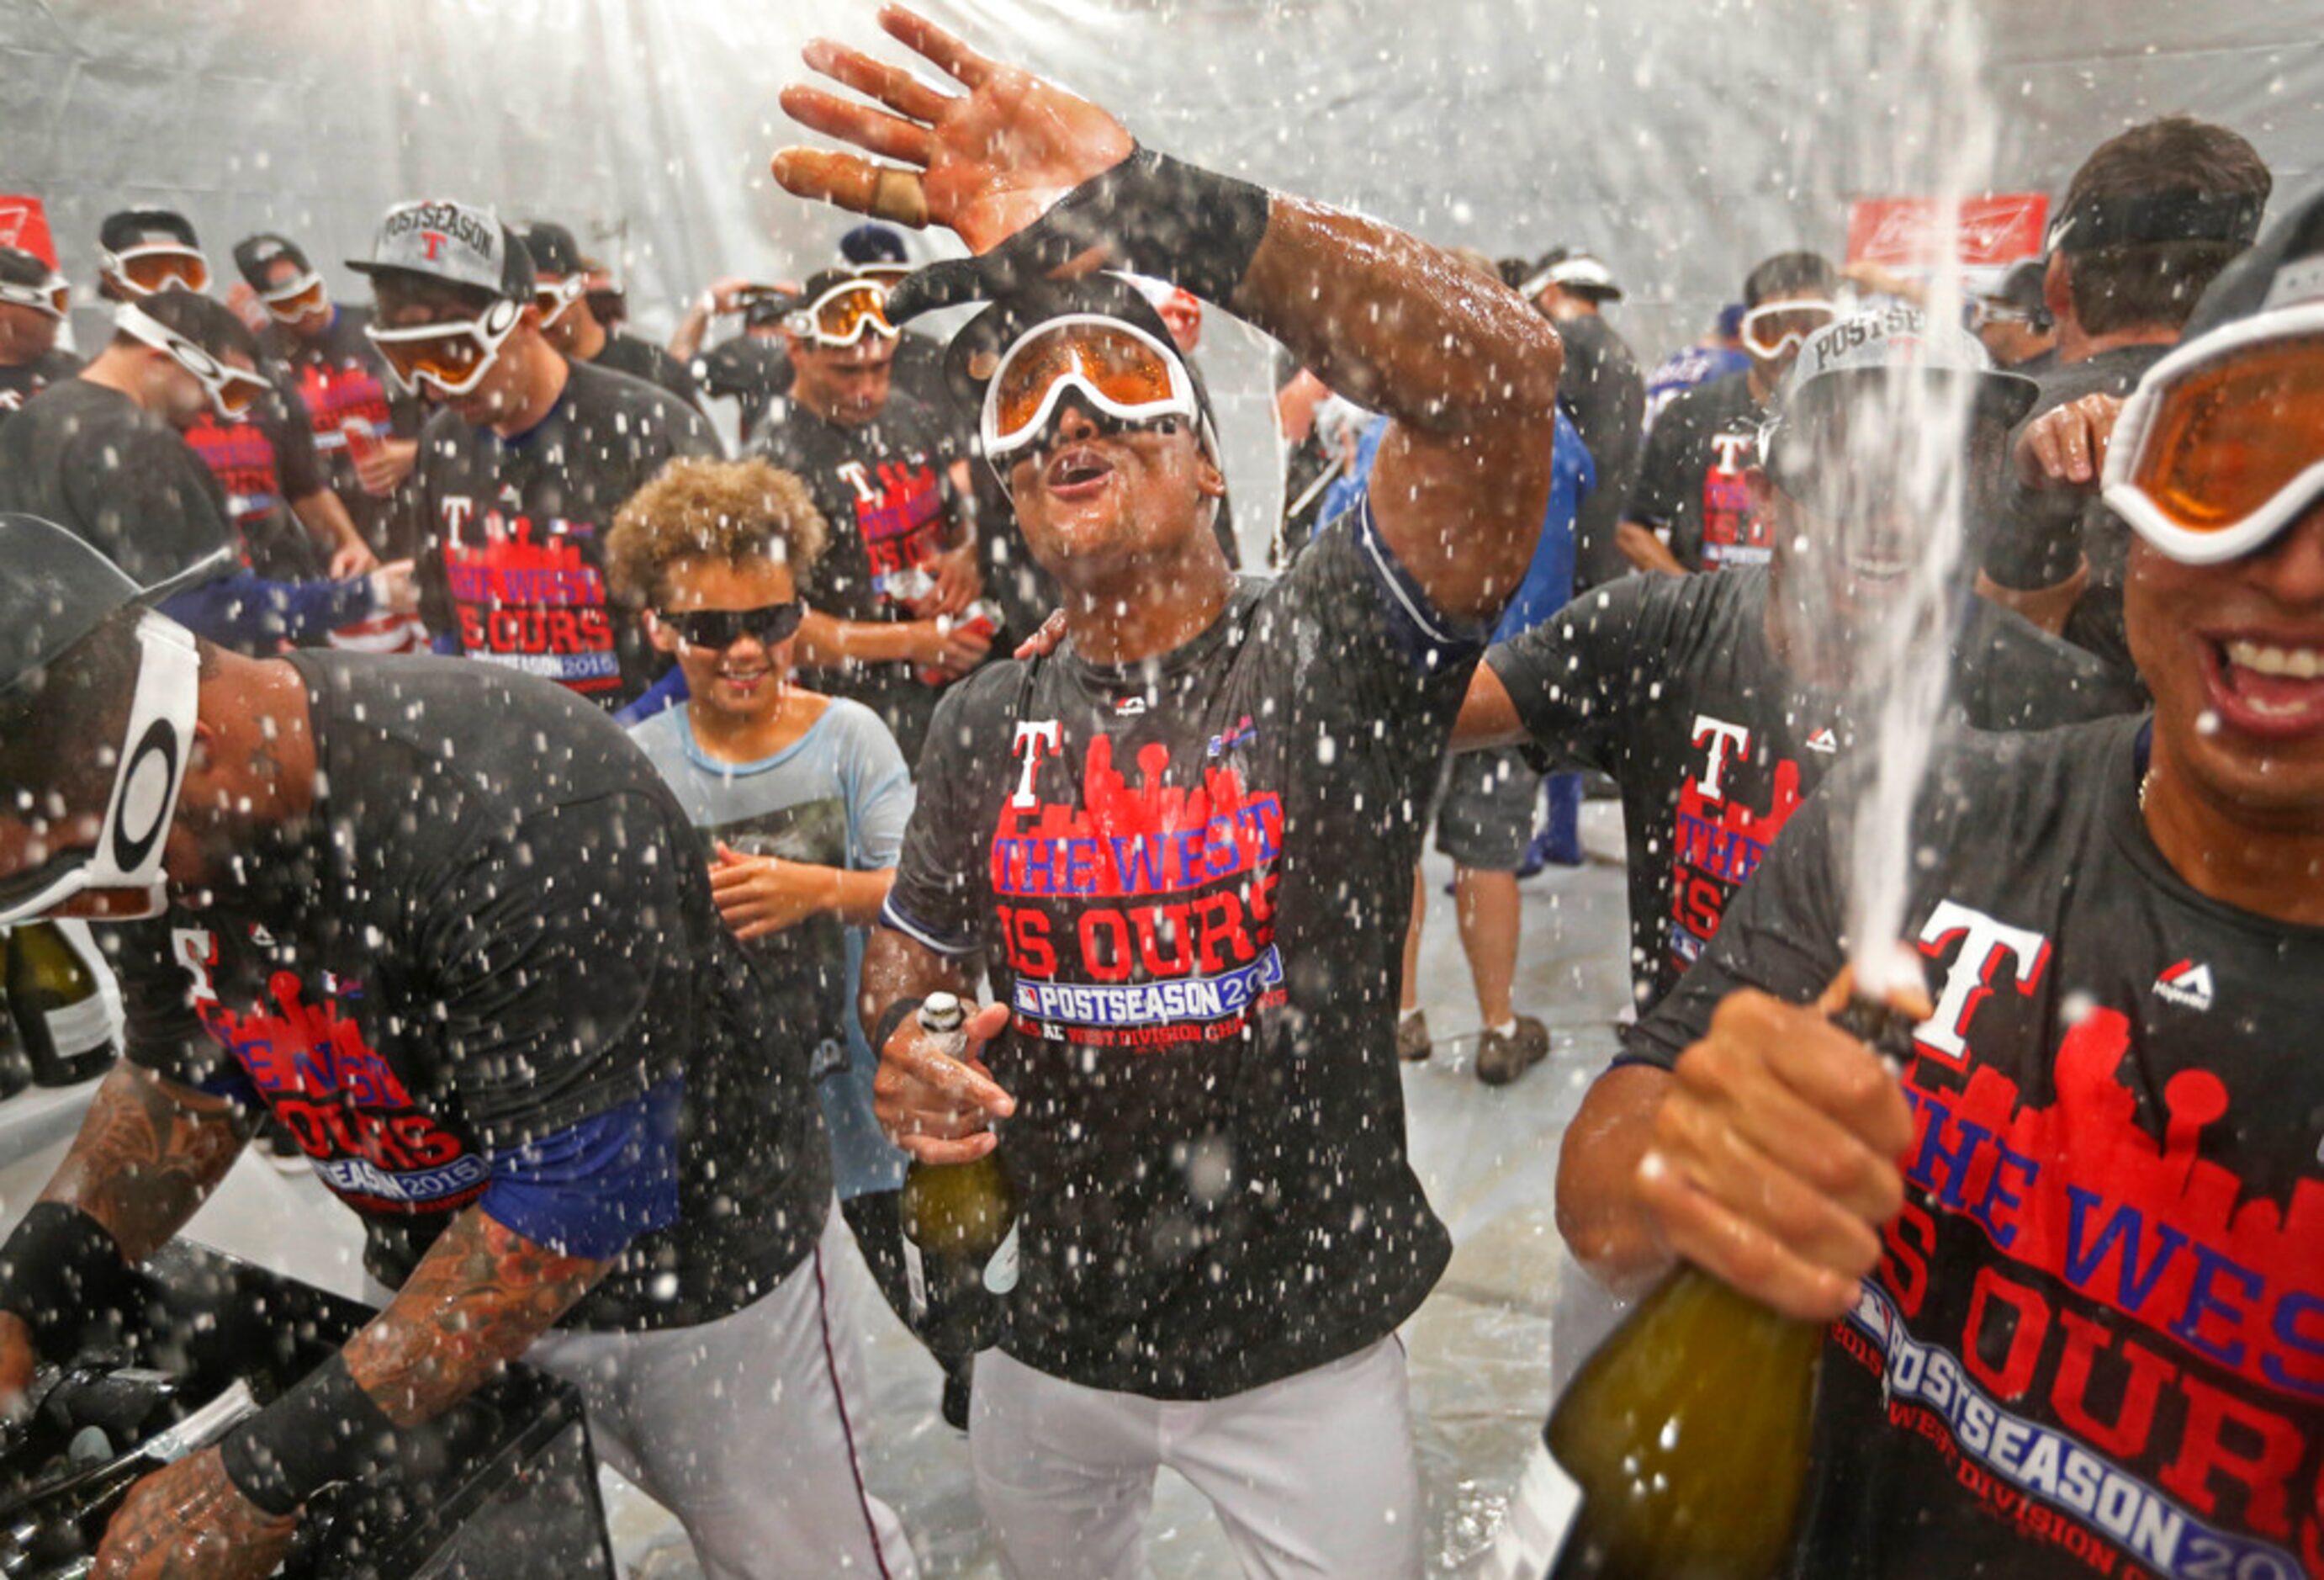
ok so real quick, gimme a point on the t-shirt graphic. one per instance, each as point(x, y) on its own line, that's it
point(334, 394)
point(900, 511)
point(528, 598)
point(1143, 916)
point(350, 1110)
point(1719, 837)
point(242, 457)
point(1696, 477)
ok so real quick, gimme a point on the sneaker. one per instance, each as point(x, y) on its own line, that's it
point(1412, 1037)
point(1503, 1057)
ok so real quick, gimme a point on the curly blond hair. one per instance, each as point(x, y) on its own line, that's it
point(696, 508)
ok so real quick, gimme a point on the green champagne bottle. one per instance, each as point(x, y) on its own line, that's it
point(15, 1069)
point(965, 1211)
point(60, 1013)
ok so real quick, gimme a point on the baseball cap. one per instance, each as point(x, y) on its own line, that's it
point(1902, 338)
point(552, 248)
point(19, 267)
point(255, 255)
point(2139, 219)
point(1572, 268)
point(146, 227)
point(459, 242)
point(2020, 286)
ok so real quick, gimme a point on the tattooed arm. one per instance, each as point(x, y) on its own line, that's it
point(477, 1299)
point(149, 1153)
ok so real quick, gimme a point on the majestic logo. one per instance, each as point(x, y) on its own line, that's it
point(1824, 741)
point(2186, 985)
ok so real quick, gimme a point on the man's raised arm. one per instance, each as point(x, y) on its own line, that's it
point(1039, 181)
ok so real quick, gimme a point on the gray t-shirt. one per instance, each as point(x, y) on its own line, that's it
point(839, 796)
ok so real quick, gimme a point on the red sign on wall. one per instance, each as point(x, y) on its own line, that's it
point(24, 223)
point(1909, 232)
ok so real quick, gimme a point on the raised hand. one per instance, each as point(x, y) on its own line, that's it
point(986, 163)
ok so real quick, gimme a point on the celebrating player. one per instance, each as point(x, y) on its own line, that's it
point(1186, 840)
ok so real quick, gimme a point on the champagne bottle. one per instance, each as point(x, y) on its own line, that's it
point(60, 1013)
point(15, 1069)
point(1682, 1449)
point(52, 1532)
point(963, 1210)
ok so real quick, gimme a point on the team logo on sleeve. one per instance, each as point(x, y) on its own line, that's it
point(1143, 917)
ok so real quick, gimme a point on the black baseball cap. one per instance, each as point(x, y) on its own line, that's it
point(146, 227)
point(255, 255)
point(873, 243)
point(2285, 268)
point(461, 244)
point(554, 251)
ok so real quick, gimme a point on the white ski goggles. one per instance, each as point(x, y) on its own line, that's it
point(231, 391)
point(2221, 446)
point(52, 297)
point(1120, 369)
point(842, 316)
point(1775, 328)
point(454, 356)
point(154, 753)
point(157, 266)
point(293, 301)
point(553, 297)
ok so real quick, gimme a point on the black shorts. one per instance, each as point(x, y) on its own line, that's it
point(1485, 812)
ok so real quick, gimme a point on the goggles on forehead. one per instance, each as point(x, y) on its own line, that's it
point(157, 266)
point(296, 300)
point(554, 296)
point(843, 315)
point(454, 356)
point(2221, 446)
point(133, 839)
point(1775, 328)
point(230, 390)
point(1122, 372)
point(720, 629)
point(52, 296)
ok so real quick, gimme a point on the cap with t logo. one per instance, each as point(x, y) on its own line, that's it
point(460, 243)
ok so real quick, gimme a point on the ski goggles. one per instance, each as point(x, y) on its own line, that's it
point(52, 297)
point(553, 297)
point(133, 839)
point(2221, 446)
point(454, 356)
point(1774, 328)
point(842, 316)
point(1122, 372)
point(290, 303)
point(157, 266)
point(231, 391)
point(720, 629)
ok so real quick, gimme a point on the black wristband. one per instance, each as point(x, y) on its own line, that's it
point(889, 1019)
point(63, 1272)
point(1150, 215)
point(324, 1431)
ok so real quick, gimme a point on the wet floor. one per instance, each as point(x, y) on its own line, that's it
point(1480, 1349)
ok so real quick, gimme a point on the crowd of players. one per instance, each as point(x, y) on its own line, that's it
point(555, 964)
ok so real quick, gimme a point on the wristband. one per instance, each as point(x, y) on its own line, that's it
point(889, 1019)
point(1151, 215)
point(64, 1273)
point(324, 1431)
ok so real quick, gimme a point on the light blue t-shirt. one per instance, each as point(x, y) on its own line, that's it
point(839, 796)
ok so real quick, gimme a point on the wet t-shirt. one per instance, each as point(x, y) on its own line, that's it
point(263, 461)
point(20, 382)
point(487, 971)
point(882, 489)
point(1694, 479)
point(123, 480)
point(1188, 878)
point(339, 379)
point(512, 531)
point(1667, 684)
point(2094, 1344)
point(642, 359)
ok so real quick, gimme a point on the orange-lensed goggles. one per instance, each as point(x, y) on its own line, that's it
point(1122, 372)
point(296, 299)
point(552, 297)
point(842, 315)
point(52, 297)
point(231, 390)
point(1775, 328)
point(160, 266)
point(452, 357)
point(2221, 446)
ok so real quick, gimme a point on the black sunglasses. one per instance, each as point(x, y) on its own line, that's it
point(722, 628)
